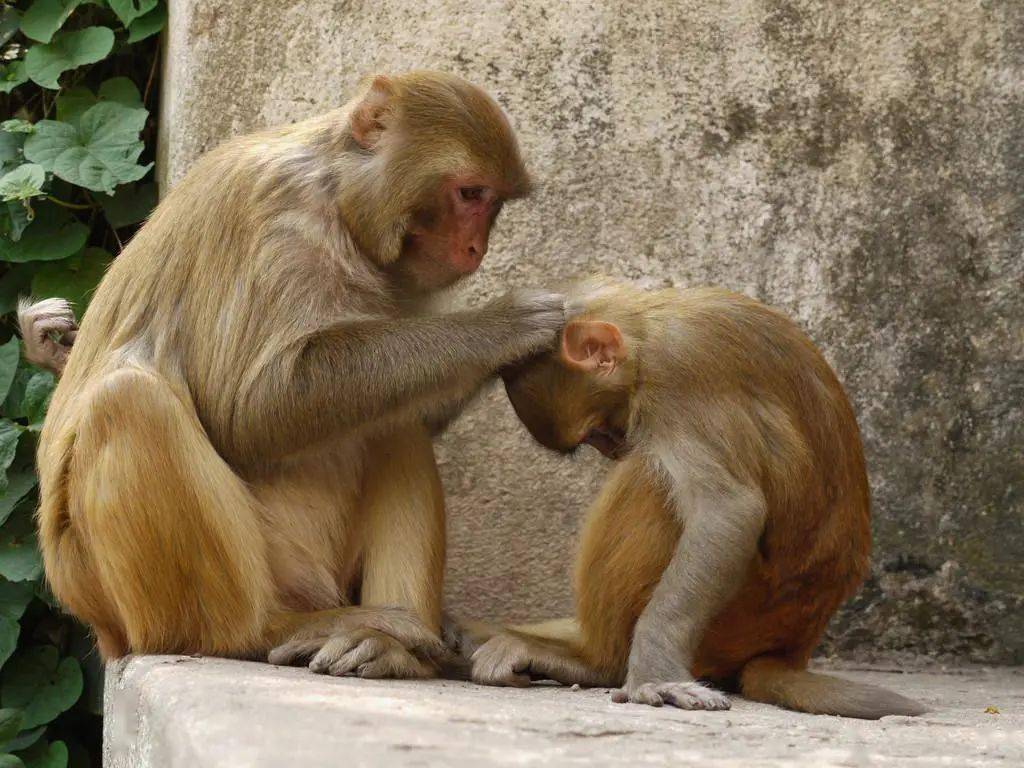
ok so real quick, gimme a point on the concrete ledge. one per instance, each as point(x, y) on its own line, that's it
point(168, 711)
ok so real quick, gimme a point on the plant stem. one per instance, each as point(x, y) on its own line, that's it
point(72, 206)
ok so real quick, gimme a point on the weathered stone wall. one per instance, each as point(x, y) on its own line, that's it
point(859, 164)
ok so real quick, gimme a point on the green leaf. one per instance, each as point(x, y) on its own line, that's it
point(12, 75)
point(23, 182)
point(37, 397)
point(19, 554)
point(73, 102)
point(23, 740)
point(11, 154)
point(129, 10)
point(99, 154)
point(45, 63)
point(14, 597)
point(54, 234)
point(148, 25)
point(44, 17)
point(43, 755)
point(10, 20)
point(9, 629)
point(19, 215)
point(17, 126)
point(10, 433)
point(73, 279)
point(10, 724)
point(130, 204)
point(10, 761)
point(41, 684)
point(10, 354)
point(19, 483)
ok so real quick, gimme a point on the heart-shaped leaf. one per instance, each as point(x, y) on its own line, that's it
point(148, 25)
point(10, 353)
point(37, 397)
point(22, 183)
point(10, 724)
point(41, 683)
point(129, 10)
point(43, 755)
point(19, 554)
point(53, 234)
point(11, 154)
point(14, 597)
point(12, 75)
point(9, 629)
point(45, 63)
point(44, 17)
point(16, 125)
point(99, 154)
point(73, 102)
point(10, 433)
point(10, 20)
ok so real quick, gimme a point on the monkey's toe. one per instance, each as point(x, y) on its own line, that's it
point(694, 696)
point(690, 695)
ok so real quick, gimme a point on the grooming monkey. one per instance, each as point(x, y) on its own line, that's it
point(236, 460)
point(734, 524)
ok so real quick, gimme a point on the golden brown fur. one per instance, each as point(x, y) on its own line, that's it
point(236, 454)
point(734, 527)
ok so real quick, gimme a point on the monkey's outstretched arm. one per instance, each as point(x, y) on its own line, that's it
point(722, 522)
point(352, 374)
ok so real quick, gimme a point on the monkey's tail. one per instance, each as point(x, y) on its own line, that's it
point(772, 681)
point(48, 330)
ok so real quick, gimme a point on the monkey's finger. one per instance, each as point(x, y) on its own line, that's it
point(294, 651)
point(340, 657)
point(396, 663)
point(645, 694)
point(694, 696)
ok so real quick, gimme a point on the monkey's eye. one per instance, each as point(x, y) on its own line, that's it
point(471, 193)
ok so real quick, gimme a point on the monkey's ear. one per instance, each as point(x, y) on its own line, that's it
point(371, 116)
point(592, 345)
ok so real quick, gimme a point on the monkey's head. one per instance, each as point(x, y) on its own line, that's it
point(439, 161)
point(580, 392)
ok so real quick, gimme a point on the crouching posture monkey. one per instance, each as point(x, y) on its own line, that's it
point(734, 524)
point(235, 459)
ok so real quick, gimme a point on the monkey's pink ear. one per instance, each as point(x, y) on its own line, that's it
point(370, 117)
point(592, 345)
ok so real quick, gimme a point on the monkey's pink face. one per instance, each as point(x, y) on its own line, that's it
point(449, 235)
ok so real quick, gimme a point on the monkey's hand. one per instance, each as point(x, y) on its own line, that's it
point(532, 320)
point(368, 642)
point(502, 660)
point(684, 695)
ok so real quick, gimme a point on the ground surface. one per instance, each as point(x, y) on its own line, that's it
point(168, 712)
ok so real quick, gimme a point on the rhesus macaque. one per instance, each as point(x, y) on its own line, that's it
point(734, 524)
point(236, 460)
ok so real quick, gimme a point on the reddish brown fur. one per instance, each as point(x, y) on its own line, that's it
point(749, 403)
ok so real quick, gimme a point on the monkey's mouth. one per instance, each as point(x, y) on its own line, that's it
point(608, 440)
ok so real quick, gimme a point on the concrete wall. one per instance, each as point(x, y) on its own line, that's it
point(859, 164)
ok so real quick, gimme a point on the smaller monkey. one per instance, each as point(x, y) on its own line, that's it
point(734, 524)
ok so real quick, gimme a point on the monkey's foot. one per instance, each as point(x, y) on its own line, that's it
point(690, 695)
point(502, 660)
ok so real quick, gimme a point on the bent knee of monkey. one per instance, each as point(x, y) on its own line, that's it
point(171, 531)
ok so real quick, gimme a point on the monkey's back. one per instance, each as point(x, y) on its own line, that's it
point(790, 430)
